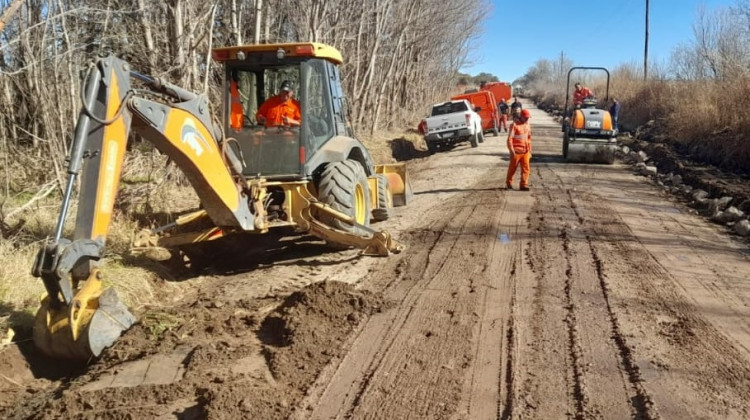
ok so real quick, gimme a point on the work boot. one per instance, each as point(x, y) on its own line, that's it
point(524, 189)
point(508, 186)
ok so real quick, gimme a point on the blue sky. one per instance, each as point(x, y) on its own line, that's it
point(602, 33)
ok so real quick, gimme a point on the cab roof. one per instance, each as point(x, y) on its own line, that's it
point(294, 49)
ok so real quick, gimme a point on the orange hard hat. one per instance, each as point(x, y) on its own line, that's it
point(525, 113)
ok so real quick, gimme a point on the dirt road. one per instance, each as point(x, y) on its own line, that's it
point(594, 296)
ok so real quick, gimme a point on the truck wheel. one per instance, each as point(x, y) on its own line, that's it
point(385, 199)
point(481, 136)
point(495, 130)
point(565, 145)
point(474, 140)
point(431, 147)
point(343, 186)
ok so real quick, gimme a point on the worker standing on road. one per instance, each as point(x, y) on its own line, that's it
point(614, 112)
point(503, 108)
point(515, 108)
point(519, 147)
point(581, 93)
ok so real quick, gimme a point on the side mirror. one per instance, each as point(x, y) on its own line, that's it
point(477, 109)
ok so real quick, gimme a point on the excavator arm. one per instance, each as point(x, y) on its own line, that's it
point(78, 317)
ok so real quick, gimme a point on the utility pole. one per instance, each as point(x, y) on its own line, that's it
point(645, 50)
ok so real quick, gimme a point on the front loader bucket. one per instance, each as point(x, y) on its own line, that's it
point(92, 322)
point(398, 180)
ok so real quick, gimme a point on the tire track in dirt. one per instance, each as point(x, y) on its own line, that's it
point(580, 399)
point(598, 377)
point(639, 292)
point(507, 378)
point(642, 404)
point(488, 390)
point(438, 300)
point(542, 385)
point(577, 389)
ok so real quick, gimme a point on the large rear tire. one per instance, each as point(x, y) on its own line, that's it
point(385, 199)
point(474, 140)
point(495, 129)
point(566, 140)
point(343, 186)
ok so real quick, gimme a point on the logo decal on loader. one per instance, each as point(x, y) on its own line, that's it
point(193, 138)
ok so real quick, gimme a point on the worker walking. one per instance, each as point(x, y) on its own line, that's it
point(519, 147)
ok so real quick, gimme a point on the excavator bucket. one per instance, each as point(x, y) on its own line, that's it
point(397, 178)
point(93, 321)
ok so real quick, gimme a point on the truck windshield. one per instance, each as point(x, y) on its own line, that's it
point(448, 108)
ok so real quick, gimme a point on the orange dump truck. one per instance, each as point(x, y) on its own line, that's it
point(487, 109)
point(501, 90)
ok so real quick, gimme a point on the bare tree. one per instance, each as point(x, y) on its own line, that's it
point(399, 57)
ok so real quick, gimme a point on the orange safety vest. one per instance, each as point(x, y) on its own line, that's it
point(521, 138)
point(236, 116)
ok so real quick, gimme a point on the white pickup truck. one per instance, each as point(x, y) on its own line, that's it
point(452, 122)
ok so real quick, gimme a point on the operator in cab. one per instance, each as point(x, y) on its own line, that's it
point(281, 109)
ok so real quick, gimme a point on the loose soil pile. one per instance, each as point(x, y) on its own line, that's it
point(211, 359)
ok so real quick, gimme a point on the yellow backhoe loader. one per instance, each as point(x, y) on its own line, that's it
point(314, 177)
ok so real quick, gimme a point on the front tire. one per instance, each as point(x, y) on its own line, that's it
point(343, 186)
point(385, 199)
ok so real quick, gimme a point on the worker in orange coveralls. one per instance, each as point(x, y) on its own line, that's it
point(281, 109)
point(581, 93)
point(519, 147)
point(237, 115)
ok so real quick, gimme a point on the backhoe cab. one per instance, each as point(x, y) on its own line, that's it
point(313, 176)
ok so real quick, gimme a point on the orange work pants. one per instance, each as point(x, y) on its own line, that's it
point(503, 122)
point(524, 160)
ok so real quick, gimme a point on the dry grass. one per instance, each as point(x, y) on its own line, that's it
point(706, 119)
point(151, 193)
